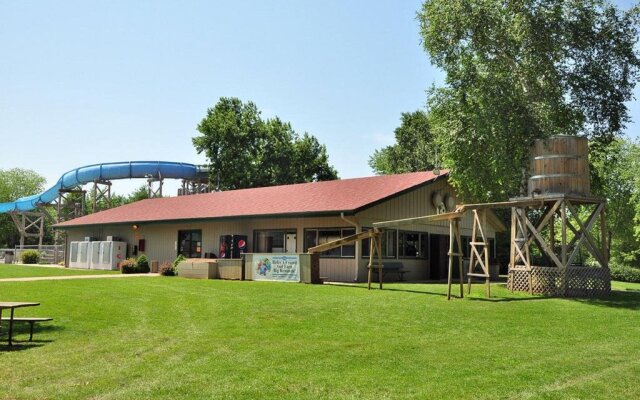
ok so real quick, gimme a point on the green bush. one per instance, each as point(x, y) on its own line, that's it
point(142, 264)
point(624, 273)
point(178, 260)
point(30, 257)
point(128, 266)
point(167, 269)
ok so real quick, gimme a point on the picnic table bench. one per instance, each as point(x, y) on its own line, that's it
point(11, 306)
point(30, 320)
point(391, 267)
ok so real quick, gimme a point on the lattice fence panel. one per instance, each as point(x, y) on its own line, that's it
point(588, 282)
point(546, 280)
point(518, 279)
point(580, 281)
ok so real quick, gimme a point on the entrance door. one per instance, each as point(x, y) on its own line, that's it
point(434, 257)
point(438, 256)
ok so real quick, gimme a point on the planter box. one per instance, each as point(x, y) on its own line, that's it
point(230, 269)
point(198, 269)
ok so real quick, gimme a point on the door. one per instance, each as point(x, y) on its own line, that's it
point(434, 257)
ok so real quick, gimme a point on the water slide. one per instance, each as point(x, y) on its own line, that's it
point(107, 171)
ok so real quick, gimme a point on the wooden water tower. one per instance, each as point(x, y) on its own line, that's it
point(556, 221)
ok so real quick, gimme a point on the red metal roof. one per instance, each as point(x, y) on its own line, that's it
point(327, 197)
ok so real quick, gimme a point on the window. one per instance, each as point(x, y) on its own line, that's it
point(190, 243)
point(275, 241)
point(389, 243)
point(413, 244)
point(316, 237)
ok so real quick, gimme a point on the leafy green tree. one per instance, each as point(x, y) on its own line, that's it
point(246, 151)
point(615, 176)
point(414, 149)
point(14, 184)
point(140, 193)
point(521, 70)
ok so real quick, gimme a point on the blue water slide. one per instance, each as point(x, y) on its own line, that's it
point(107, 171)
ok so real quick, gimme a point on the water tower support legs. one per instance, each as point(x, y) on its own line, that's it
point(561, 276)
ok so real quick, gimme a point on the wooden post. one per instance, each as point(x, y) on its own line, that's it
point(451, 255)
point(485, 240)
point(372, 247)
point(552, 232)
point(604, 238)
point(512, 250)
point(460, 255)
point(563, 216)
point(472, 260)
point(455, 250)
point(380, 266)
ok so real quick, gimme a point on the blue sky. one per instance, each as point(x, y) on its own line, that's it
point(90, 82)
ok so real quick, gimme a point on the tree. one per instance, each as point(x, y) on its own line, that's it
point(615, 178)
point(246, 151)
point(414, 149)
point(521, 70)
point(140, 193)
point(14, 184)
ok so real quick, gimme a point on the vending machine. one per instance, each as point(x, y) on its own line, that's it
point(79, 255)
point(232, 246)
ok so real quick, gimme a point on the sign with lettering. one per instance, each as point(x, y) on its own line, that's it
point(276, 267)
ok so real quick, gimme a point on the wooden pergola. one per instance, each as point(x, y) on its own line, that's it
point(562, 277)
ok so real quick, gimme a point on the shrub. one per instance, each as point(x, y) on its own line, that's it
point(624, 273)
point(30, 257)
point(178, 260)
point(167, 269)
point(128, 266)
point(142, 264)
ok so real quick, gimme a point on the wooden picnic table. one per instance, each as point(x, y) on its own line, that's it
point(12, 305)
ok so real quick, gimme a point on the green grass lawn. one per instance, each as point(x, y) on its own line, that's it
point(23, 271)
point(168, 338)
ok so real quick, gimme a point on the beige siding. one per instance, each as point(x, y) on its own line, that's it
point(161, 238)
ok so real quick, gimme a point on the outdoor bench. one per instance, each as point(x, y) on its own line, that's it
point(30, 320)
point(391, 267)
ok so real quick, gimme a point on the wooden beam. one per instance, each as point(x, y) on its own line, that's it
point(544, 245)
point(593, 245)
point(341, 242)
point(419, 220)
point(605, 236)
point(502, 204)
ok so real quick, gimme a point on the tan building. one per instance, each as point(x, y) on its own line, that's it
point(290, 219)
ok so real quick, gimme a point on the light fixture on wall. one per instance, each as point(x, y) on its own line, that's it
point(134, 227)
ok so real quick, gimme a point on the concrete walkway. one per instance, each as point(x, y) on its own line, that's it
point(66, 277)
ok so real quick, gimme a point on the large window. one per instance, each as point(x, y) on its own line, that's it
point(275, 241)
point(413, 244)
point(190, 243)
point(316, 237)
point(389, 244)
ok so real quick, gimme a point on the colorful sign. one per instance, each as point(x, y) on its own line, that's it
point(275, 267)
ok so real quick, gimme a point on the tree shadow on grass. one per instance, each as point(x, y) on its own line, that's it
point(375, 287)
point(629, 299)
